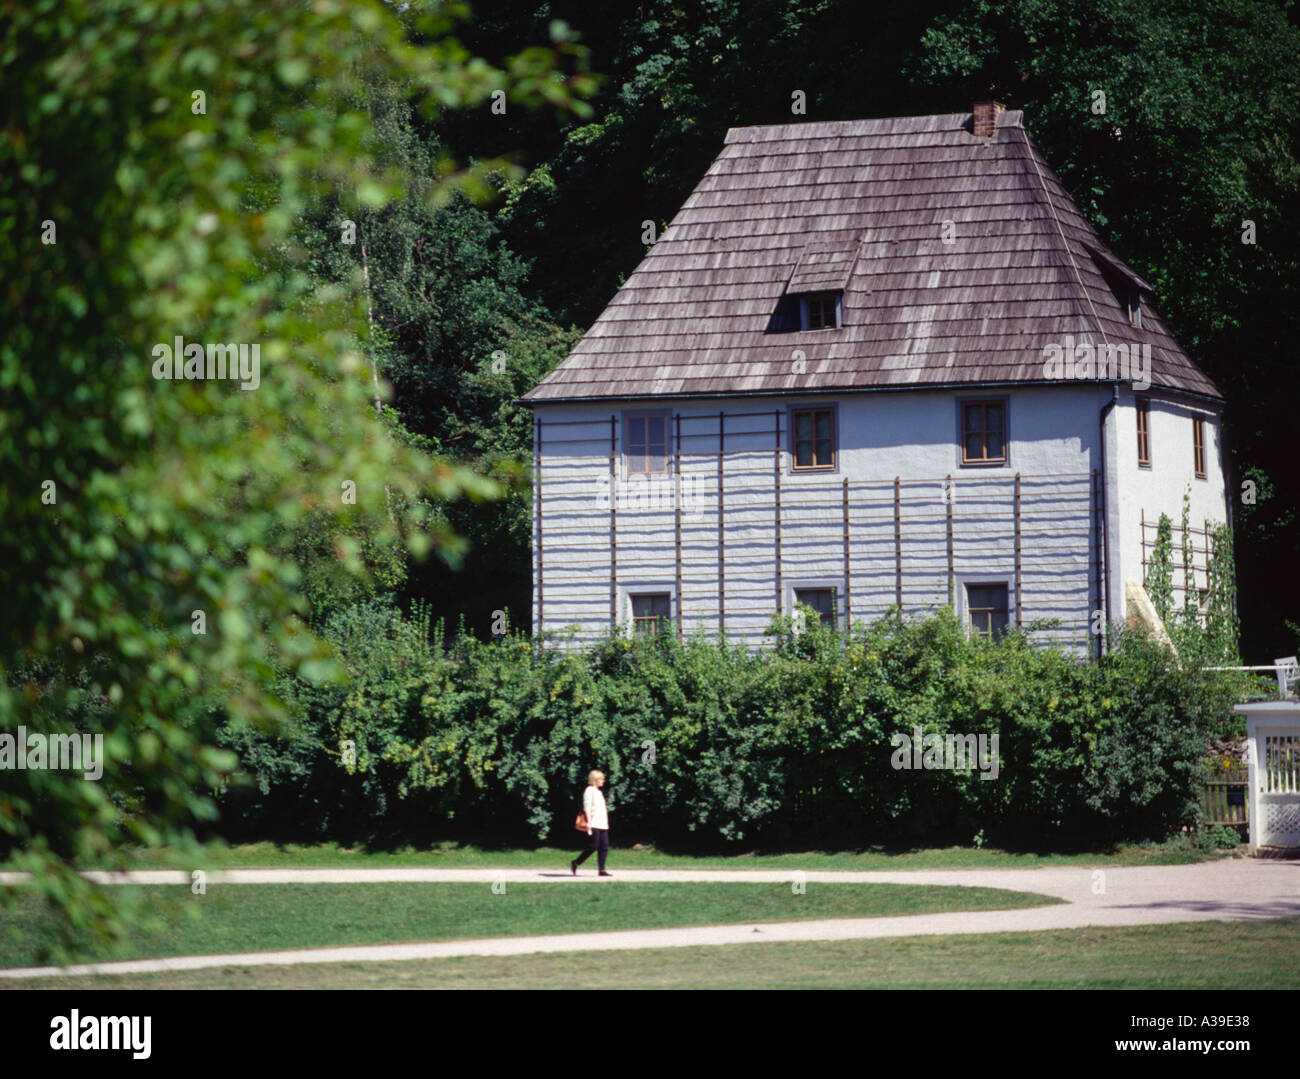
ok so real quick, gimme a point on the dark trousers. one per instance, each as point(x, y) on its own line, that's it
point(597, 844)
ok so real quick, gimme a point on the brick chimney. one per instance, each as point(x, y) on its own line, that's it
point(985, 122)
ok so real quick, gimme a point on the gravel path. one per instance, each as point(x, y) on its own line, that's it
point(1230, 889)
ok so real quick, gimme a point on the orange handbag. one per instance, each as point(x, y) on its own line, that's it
point(581, 823)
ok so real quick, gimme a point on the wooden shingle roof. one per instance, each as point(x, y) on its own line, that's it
point(822, 267)
point(866, 205)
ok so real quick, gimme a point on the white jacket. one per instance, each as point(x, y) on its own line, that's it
point(593, 804)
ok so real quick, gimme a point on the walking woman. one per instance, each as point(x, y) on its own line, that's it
point(593, 804)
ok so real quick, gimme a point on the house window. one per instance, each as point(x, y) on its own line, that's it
point(651, 613)
point(1144, 433)
point(1198, 446)
point(821, 600)
point(1135, 309)
point(821, 311)
point(646, 443)
point(813, 431)
point(986, 608)
point(983, 432)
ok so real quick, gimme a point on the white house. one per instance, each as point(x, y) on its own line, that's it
point(869, 364)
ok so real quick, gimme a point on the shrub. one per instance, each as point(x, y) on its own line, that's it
point(1219, 837)
point(704, 741)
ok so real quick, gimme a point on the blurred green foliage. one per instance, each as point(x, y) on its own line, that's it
point(174, 147)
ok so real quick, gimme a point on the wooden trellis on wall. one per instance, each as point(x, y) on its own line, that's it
point(1040, 532)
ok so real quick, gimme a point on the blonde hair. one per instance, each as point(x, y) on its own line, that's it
point(591, 776)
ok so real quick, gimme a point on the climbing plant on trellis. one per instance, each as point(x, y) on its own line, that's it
point(1209, 633)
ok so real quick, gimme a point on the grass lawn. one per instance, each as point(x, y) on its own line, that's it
point(266, 917)
point(1195, 955)
point(456, 855)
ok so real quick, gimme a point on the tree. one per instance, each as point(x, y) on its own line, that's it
point(151, 174)
point(450, 329)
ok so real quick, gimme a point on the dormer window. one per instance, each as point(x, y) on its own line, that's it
point(819, 311)
point(815, 289)
point(1135, 310)
point(1126, 286)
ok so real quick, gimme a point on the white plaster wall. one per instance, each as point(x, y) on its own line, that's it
point(1053, 437)
point(1160, 489)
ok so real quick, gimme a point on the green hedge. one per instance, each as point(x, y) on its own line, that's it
point(710, 743)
